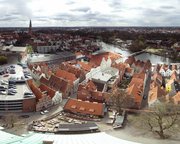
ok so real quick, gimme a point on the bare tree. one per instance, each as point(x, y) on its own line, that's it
point(10, 119)
point(119, 100)
point(162, 119)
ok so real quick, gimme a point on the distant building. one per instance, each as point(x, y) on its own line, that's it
point(13, 51)
point(30, 28)
point(51, 58)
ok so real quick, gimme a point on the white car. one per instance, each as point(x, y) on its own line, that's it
point(46, 111)
point(3, 92)
point(42, 113)
point(3, 82)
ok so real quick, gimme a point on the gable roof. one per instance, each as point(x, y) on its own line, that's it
point(96, 59)
point(72, 69)
point(136, 92)
point(176, 98)
point(49, 90)
point(130, 60)
point(65, 75)
point(44, 80)
point(156, 93)
point(37, 92)
point(174, 75)
point(58, 83)
point(84, 107)
point(86, 66)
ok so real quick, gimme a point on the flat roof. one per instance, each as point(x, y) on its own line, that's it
point(77, 127)
point(101, 76)
point(37, 138)
point(21, 88)
point(14, 48)
point(7, 138)
point(49, 57)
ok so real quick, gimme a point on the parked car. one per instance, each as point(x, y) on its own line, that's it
point(3, 92)
point(2, 87)
point(3, 82)
point(12, 90)
point(42, 113)
point(28, 94)
point(6, 75)
point(11, 86)
point(12, 71)
point(12, 66)
point(12, 82)
point(45, 111)
point(10, 93)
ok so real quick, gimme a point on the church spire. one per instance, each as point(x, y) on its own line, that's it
point(30, 28)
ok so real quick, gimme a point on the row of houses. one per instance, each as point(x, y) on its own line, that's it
point(165, 85)
point(45, 96)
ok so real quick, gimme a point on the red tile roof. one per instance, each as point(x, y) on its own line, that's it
point(129, 69)
point(66, 75)
point(96, 59)
point(87, 67)
point(58, 83)
point(136, 92)
point(44, 80)
point(156, 93)
point(84, 107)
point(72, 69)
point(135, 89)
point(174, 75)
point(176, 98)
point(130, 60)
point(50, 91)
point(37, 92)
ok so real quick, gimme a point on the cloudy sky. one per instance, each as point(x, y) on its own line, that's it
point(90, 12)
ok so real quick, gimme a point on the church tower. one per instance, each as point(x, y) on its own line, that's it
point(30, 28)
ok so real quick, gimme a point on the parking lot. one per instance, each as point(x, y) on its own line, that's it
point(14, 90)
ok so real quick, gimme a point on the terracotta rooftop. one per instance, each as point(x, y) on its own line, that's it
point(129, 70)
point(155, 94)
point(72, 69)
point(96, 59)
point(174, 75)
point(86, 66)
point(37, 92)
point(135, 91)
point(130, 60)
point(135, 88)
point(84, 107)
point(58, 83)
point(50, 91)
point(66, 75)
point(176, 98)
point(44, 80)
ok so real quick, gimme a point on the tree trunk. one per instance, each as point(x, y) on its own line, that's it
point(161, 134)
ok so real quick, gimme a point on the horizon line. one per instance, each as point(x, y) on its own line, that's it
point(91, 26)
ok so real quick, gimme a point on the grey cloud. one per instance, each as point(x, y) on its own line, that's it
point(154, 12)
point(17, 6)
point(82, 9)
point(70, 2)
point(167, 7)
point(90, 17)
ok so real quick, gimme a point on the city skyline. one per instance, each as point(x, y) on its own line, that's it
point(89, 13)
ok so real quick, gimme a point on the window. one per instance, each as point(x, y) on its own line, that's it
point(91, 110)
point(82, 108)
point(73, 106)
